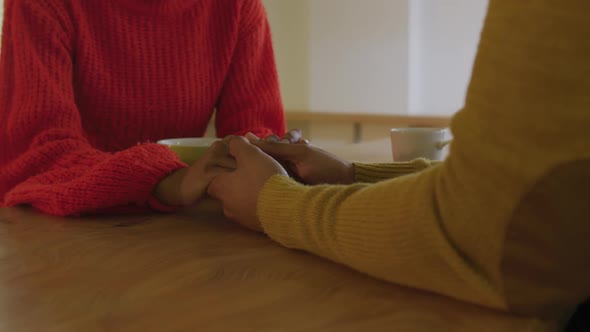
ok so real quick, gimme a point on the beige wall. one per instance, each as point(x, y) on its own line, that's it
point(1, 14)
point(359, 57)
point(291, 25)
point(443, 44)
point(342, 55)
point(376, 56)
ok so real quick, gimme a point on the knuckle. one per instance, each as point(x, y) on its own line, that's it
point(305, 149)
point(217, 145)
point(241, 138)
point(238, 140)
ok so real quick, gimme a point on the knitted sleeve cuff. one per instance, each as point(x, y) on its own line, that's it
point(372, 173)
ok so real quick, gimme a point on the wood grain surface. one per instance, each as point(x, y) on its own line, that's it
point(196, 271)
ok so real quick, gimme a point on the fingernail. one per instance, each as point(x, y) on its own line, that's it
point(252, 137)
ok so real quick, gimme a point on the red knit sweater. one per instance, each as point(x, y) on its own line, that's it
point(86, 85)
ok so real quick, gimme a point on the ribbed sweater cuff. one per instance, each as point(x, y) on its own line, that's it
point(277, 203)
point(167, 163)
point(372, 173)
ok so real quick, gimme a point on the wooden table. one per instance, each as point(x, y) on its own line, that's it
point(196, 271)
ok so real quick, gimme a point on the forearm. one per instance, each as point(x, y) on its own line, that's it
point(167, 190)
point(391, 230)
point(84, 180)
point(49, 163)
point(464, 228)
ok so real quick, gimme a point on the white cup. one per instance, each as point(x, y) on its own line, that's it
point(408, 144)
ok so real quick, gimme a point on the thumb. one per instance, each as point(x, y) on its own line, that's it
point(217, 186)
point(240, 149)
point(218, 189)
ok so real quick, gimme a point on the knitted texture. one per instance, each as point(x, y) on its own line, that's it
point(87, 85)
point(372, 173)
point(503, 222)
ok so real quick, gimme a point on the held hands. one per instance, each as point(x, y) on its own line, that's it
point(238, 190)
point(309, 164)
point(236, 169)
point(188, 185)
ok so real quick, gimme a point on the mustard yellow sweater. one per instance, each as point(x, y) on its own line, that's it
point(505, 221)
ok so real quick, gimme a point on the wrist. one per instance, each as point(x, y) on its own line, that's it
point(349, 173)
point(168, 190)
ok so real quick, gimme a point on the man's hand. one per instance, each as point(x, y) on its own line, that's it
point(238, 191)
point(187, 186)
point(309, 164)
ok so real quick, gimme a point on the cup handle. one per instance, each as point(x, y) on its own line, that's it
point(442, 144)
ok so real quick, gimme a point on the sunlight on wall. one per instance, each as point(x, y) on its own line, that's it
point(337, 55)
point(359, 57)
point(376, 56)
point(290, 21)
point(443, 45)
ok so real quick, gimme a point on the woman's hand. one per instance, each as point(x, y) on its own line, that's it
point(309, 164)
point(188, 185)
point(238, 191)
